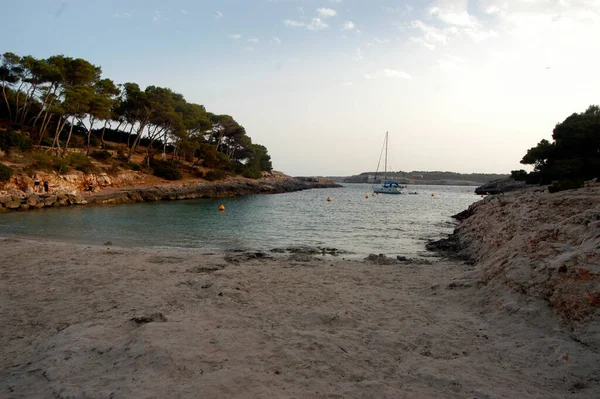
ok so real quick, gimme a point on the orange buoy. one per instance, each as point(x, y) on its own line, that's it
point(432, 194)
point(328, 198)
point(222, 208)
point(367, 196)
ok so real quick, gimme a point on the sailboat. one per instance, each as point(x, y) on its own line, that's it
point(386, 186)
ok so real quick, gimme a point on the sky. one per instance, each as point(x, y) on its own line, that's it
point(462, 86)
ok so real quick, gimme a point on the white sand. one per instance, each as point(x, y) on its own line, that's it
point(268, 328)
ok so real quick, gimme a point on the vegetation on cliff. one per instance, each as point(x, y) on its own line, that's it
point(572, 158)
point(62, 102)
point(421, 177)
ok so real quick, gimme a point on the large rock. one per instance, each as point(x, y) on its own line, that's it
point(500, 186)
point(5, 199)
point(12, 205)
point(33, 200)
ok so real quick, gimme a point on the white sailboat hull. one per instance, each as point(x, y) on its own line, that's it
point(387, 190)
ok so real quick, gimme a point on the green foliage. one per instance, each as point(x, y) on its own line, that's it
point(13, 140)
point(573, 157)
point(213, 175)
point(251, 173)
point(43, 161)
point(165, 170)
point(61, 165)
point(80, 162)
point(5, 172)
point(101, 155)
point(519, 175)
point(135, 166)
point(213, 158)
point(570, 184)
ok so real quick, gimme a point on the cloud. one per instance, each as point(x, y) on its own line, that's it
point(348, 25)
point(253, 40)
point(388, 74)
point(358, 55)
point(347, 84)
point(378, 41)
point(277, 40)
point(315, 24)
point(122, 15)
point(157, 17)
point(235, 36)
point(431, 36)
point(336, 1)
point(184, 12)
point(218, 15)
point(326, 12)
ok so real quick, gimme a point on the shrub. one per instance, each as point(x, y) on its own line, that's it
point(519, 175)
point(11, 139)
point(43, 161)
point(135, 166)
point(61, 165)
point(47, 141)
point(5, 172)
point(251, 173)
point(101, 155)
point(213, 175)
point(165, 170)
point(562, 185)
point(80, 162)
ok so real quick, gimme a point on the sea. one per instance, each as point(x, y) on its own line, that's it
point(355, 222)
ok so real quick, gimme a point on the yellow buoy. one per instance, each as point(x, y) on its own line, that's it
point(367, 196)
point(222, 208)
point(328, 198)
point(432, 194)
point(372, 195)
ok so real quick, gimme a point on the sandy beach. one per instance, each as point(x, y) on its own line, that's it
point(81, 321)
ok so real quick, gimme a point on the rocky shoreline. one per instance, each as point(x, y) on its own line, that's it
point(17, 200)
point(533, 250)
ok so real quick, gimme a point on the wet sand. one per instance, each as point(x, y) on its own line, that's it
point(107, 322)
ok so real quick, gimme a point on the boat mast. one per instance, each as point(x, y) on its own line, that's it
point(385, 170)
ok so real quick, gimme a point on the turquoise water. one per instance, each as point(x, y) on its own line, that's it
point(388, 224)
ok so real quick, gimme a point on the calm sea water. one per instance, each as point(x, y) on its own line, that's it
point(387, 224)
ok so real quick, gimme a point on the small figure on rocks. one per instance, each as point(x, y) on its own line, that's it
point(90, 187)
point(36, 185)
point(46, 186)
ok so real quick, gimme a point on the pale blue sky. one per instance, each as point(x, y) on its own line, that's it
point(465, 86)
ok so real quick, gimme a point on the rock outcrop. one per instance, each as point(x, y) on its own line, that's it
point(543, 246)
point(500, 186)
point(67, 190)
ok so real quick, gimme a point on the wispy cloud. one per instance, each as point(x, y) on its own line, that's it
point(336, 1)
point(348, 25)
point(218, 15)
point(185, 12)
point(378, 41)
point(157, 17)
point(253, 40)
point(358, 55)
point(389, 74)
point(235, 36)
point(326, 12)
point(276, 40)
point(431, 36)
point(122, 15)
point(315, 24)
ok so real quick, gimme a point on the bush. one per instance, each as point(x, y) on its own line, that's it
point(5, 172)
point(61, 165)
point(47, 141)
point(11, 139)
point(101, 155)
point(80, 162)
point(562, 185)
point(165, 170)
point(519, 175)
point(43, 161)
point(215, 175)
point(251, 173)
point(135, 166)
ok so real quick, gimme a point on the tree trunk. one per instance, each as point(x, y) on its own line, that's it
point(102, 136)
point(89, 135)
point(69, 136)
point(59, 128)
point(136, 141)
point(42, 109)
point(6, 101)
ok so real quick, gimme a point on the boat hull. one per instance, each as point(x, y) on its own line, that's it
point(387, 190)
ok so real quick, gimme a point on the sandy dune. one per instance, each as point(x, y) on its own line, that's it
point(97, 322)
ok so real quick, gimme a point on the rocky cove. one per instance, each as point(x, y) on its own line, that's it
point(68, 190)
